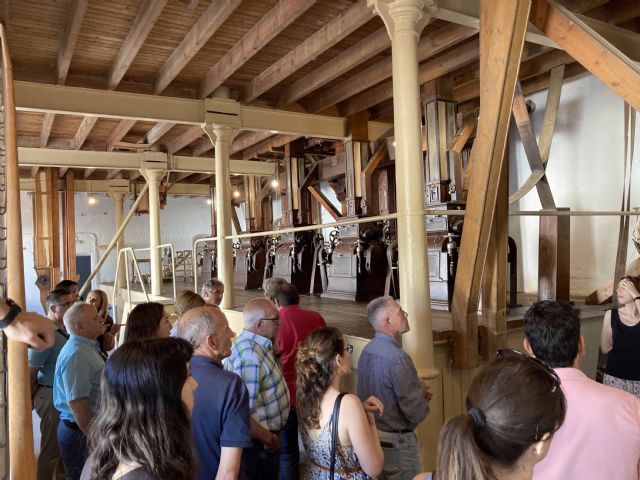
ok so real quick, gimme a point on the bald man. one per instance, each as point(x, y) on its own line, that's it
point(253, 360)
point(220, 419)
point(76, 387)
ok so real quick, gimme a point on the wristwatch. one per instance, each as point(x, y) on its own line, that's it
point(11, 316)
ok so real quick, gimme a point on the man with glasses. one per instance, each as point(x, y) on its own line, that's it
point(295, 326)
point(252, 358)
point(600, 437)
point(42, 368)
point(387, 372)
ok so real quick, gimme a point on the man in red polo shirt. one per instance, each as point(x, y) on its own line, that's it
point(295, 325)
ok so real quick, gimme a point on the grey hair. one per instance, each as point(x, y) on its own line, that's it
point(209, 285)
point(376, 310)
point(270, 285)
point(196, 325)
point(254, 311)
point(76, 314)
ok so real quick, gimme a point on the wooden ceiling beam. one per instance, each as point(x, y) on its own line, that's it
point(176, 177)
point(580, 6)
point(431, 70)
point(70, 39)
point(119, 132)
point(275, 21)
point(54, 143)
point(192, 134)
point(62, 171)
point(325, 38)
point(589, 48)
point(247, 140)
point(145, 20)
point(213, 17)
point(111, 174)
point(203, 147)
point(45, 130)
point(370, 46)
point(158, 131)
point(621, 12)
point(88, 172)
point(83, 132)
point(191, 4)
point(200, 177)
point(430, 45)
point(267, 145)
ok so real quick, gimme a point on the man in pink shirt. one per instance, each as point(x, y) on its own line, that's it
point(295, 326)
point(600, 437)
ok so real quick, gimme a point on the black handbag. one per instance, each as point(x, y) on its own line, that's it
point(334, 433)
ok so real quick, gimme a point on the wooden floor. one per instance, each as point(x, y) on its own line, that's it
point(351, 317)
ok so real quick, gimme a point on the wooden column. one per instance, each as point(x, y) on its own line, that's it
point(405, 20)
point(21, 457)
point(356, 149)
point(293, 155)
point(503, 25)
point(69, 227)
point(554, 254)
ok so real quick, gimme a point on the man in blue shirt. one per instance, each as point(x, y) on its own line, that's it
point(220, 419)
point(387, 372)
point(76, 387)
point(42, 367)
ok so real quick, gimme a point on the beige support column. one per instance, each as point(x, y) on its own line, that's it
point(153, 177)
point(118, 201)
point(405, 20)
point(222, 136)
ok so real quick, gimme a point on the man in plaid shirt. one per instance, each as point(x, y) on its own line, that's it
point(252, 358)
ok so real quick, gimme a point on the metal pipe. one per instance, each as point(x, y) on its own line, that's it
point(115, 238)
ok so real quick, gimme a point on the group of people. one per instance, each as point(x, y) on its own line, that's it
point(240, 401)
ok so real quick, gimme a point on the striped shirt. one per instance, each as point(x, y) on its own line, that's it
point(386, 371)
point(252, 359)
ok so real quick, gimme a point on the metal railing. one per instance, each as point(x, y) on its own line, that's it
point(129, 250)
point(392, 216)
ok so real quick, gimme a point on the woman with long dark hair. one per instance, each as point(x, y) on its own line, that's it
point(514, 407)
point(147, 320)
point(142, 429)
point(322, 362)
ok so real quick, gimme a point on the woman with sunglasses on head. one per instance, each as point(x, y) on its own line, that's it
point(142, 429)
point(620, 338)
point(514, 406)
point(322, 361)
point(98, 298)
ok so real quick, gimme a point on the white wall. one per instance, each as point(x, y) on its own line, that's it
point(585, 171)
point(182, 221)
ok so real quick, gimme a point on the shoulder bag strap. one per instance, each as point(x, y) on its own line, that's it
point(334, 433)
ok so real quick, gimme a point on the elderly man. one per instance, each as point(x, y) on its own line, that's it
point(253, 360)
point(295, 326)
point(212, 292)
point(600, 436)
point(42, 367)
point(76, 387)
point(220, 418)
point(270, 285)
point(387, 372)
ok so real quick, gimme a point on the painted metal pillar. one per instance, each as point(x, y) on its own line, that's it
point(223, 136)
point(118, 200)
point(153, 177)
point(405, 20)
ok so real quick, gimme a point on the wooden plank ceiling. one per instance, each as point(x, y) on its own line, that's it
point(319, 56)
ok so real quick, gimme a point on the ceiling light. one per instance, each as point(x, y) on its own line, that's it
point(236, 193)
point(92, 200)
point(275, 183)
point(209, 201)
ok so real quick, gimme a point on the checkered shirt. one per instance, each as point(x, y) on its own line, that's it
point(252, 359)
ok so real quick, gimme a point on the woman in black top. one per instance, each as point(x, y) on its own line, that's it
point(621, 338)
point(141, 431)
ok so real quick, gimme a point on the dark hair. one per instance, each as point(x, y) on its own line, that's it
point(143, 321)
point(553, 332)
point(513, 402)
point(53, 298)
point(142, 417)
point(315, 369)
point(287, 294)
point(65, 284)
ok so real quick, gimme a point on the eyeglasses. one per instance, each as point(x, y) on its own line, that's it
point(348, 348)
point(539, 364)
point(274, 319)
